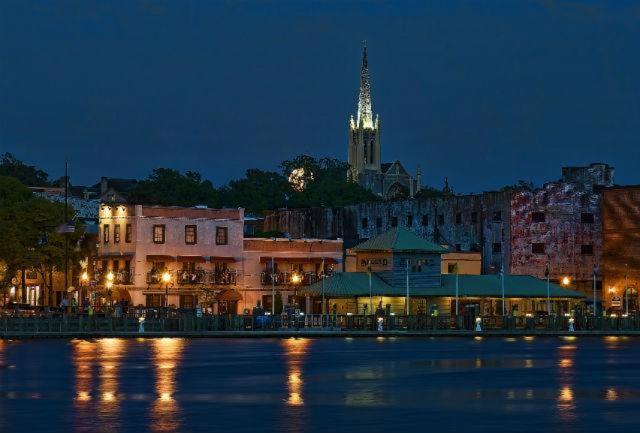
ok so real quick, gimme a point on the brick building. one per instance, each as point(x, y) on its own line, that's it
point(621, 247)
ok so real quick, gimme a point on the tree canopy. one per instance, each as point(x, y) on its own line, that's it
point(169, 187)
point(29, 227)
point(27, 174)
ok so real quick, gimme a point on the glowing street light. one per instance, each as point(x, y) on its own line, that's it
point(84, 277)
point(110, 277)
point(296, 278)
point(566, 281)
point(166, 277)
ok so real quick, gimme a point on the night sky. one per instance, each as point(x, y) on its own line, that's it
point(484, 92)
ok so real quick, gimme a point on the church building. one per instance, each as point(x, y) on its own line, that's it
point(388, 180)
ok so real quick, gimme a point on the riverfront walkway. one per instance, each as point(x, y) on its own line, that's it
point(190, 326)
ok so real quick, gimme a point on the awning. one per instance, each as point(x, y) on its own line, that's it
point(327, 260)
point(115, 255)
point(160, 258)
point(354, 284)
point(197, 259)
point(222, 259)
point(228, 295)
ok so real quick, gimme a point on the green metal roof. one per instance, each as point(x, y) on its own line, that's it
point(399, 239)
point(352, 284)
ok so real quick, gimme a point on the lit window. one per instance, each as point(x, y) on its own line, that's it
point(116, 233)
point(127, 233)
point(222, 236)
point(105, 234)
point(190, 235)
point(158, 234)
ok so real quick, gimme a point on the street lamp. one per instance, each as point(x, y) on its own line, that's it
point(566, 281)
point(109, 285)
point(84, 280)
point(166, 279)
point(296, 279)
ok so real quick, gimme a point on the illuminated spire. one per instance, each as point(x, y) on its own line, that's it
point(364, 100)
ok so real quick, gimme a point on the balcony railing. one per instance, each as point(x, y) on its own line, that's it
point(226, 278)
point(284, 278)
point(155, 277)
point(198, 276)
point(121, 276)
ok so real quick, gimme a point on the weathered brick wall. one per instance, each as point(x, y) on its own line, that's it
point(447, 220)
point(318, 223)
point(621, 244)
point(563, 233)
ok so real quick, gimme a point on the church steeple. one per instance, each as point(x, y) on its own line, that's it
point(365, 113)
point(364, 130)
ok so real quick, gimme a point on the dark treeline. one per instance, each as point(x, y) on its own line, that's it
point(300, 182)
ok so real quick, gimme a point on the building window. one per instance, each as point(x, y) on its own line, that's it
point(587, 218)
point(587, 250)
point(537, 248)
point(394, 221)
point(497, 216)
point(451, 268)
point(416, 265)
point(458, 247)
point(409, 220)
point(497, 247)
point(105, 234)
point(475, 247)
point(458, 218)
point(378, 222)
point(127, 233)
point(222, 236)
point(440, 220)
point(425, 220)
point(365, 223)
point(538, 217)
point(116, 234)
point(474, 217)
point(190, 235)
point(158, 234)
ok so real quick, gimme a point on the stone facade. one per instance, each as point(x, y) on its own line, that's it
point(477, 222)
point(562, 219)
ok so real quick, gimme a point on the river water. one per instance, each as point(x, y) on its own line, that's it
point(321, 385)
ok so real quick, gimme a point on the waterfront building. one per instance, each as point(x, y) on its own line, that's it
point(621, 248)
point(279, 267)
point(380, 271)
point(525, 232)
point(388, 180)
point(158, 256)
point(169, 256)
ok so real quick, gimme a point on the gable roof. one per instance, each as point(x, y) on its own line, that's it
point(399, 239)
point(387, 167)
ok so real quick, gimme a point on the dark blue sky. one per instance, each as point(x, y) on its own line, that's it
point(484, 92)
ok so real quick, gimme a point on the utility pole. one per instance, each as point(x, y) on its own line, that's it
point(66, 235)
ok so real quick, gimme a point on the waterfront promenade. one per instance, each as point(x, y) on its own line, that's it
point(233, 326)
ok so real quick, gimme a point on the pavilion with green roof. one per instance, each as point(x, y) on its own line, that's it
point(379, 269)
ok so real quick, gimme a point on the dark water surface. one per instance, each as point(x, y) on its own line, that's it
point(321, 385)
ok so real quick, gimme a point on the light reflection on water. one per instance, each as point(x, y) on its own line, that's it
point(167, 354)
point(174, 385)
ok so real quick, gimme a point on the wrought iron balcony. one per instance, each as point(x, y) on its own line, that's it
point(285, 278)
point(198, 276)
point(227, 277)
point(155, 277)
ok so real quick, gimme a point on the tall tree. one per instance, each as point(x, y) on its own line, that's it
point(27, 174)
point(169, 187)
point(257, 191)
